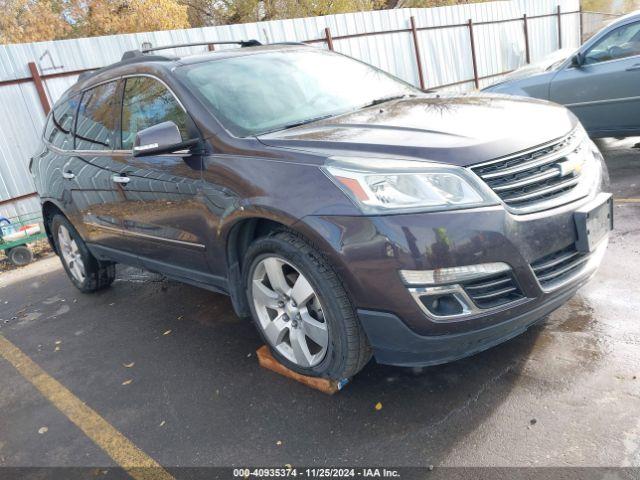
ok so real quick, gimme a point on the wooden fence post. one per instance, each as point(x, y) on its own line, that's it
point(476, 78)
point(526, 38)
point(559, 27)
point(37, 80)
point(329, 39)
point(416, 46)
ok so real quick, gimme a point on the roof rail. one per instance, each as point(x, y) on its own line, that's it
point(85, 75)
point(132, 56)
point(242, 43)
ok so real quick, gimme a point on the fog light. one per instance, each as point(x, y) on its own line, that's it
point(442, 305)
point(443, 276)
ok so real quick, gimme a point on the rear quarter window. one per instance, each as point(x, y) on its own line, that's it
point(59, 129)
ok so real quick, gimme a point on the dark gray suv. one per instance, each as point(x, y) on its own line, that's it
point(345, 211)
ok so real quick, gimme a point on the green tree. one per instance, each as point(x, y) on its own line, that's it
point(39, 20)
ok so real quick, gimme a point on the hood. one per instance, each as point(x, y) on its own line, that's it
point(459, 130)
point(550, 62)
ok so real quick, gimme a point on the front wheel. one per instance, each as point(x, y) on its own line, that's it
point(302, 310)
point(86, 272)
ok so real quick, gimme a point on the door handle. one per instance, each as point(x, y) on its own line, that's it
point(68, 175)
point(120, 179)
point(634, 68)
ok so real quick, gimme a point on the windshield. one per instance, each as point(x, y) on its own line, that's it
point(270, 91)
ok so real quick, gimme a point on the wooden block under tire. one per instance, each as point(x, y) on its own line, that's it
point(325, 385)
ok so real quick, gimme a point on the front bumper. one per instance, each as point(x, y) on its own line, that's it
point(369, 252)
point(394, 343)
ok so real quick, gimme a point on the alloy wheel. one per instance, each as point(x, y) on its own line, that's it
point(289, 312)
point(71, 254)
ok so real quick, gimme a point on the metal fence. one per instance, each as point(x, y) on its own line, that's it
point(591, 22)
point(460, 47)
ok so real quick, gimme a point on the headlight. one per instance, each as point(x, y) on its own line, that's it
point(391, 185)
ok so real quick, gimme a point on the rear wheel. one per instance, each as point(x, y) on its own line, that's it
point(86, 272)
point(20, 255)
point(301, 308)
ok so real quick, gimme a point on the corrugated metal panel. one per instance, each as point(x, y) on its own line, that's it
point(445, 55)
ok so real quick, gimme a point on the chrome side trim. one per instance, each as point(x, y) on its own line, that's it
point(130, 233)
point(603, 102)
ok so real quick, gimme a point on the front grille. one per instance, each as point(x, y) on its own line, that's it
point(494, 291)
point(558, 266)
point(532, 177)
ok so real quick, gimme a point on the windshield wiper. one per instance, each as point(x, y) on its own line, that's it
point(310, 120)
point(378, 101)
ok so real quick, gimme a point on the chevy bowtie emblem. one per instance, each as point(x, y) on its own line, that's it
point(572, 165)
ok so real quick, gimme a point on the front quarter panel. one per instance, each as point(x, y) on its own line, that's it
point(236, 187)
point(536, 86)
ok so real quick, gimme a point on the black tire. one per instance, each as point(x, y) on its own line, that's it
point(20, 255)
point(348, 350)
point(98, 275)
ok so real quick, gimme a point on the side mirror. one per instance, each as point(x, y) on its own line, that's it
point(161, 139)
point(577, 61)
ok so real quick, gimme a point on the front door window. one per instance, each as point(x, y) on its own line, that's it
point(623, 42)
point(146, 103)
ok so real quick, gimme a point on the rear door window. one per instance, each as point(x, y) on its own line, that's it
point(146, 103)
point(59, 129)
point(97, 119)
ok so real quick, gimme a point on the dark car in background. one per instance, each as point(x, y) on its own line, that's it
point(347, 212)
point(600, 82)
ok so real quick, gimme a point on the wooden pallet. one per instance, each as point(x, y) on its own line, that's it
point(323, 384)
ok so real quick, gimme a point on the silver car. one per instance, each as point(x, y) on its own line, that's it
point(600, 82)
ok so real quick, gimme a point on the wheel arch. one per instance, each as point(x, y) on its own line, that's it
point(239, 235)
point(49, 210)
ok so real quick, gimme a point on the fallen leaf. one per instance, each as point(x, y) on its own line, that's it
point(162, 423)
point(167, 332)
point(57, 349)
point(127, 382)
point(378, 406)
point(180, 317)
point(58, 342)
point(42, 430)
point(128, 365)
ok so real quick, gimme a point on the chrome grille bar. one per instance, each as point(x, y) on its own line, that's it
point(528, 181)
point(497, 293)
point(490, 284)
point(535, 176)
point(561, 271)
point(542, 191)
